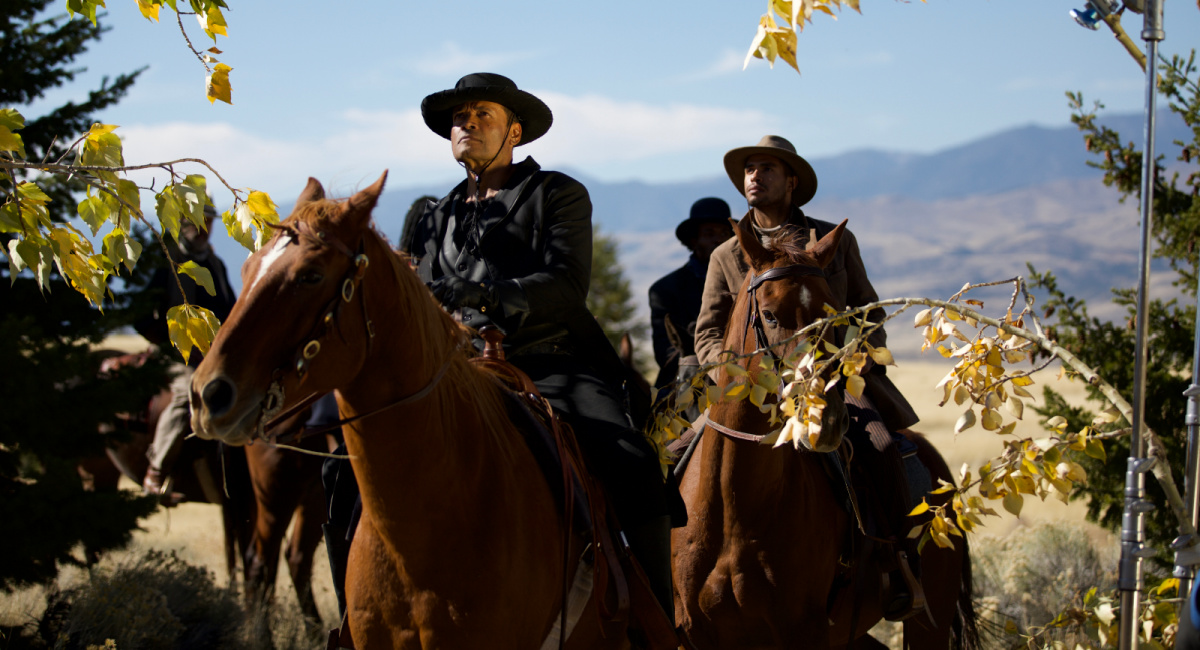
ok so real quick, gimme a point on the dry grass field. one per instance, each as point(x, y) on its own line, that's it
point(193, 531)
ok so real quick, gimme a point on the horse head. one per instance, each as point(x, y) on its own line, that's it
point(785, 291)
point(299, 327)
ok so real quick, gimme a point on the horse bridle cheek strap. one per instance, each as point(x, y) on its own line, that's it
point(753, 320)
point(302, 359)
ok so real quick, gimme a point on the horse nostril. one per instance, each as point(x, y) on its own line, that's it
point(218, 396)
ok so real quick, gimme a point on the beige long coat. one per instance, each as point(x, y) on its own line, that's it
point(847, 279)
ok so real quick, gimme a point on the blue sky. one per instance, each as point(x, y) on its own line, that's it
point(652, 91)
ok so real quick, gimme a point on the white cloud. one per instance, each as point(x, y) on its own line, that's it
point(597, 135)
point(594, 130)
point(350, 155)
point(728, 62)
point(454, 60)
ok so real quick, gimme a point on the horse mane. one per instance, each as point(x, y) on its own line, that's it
point(785, 244)
point(463, 383)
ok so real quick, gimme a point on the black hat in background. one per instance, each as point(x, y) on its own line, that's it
point(706, 210)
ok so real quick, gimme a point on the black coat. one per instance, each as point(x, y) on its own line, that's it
point(165, 290)
point(533, 243)
point(676, 296)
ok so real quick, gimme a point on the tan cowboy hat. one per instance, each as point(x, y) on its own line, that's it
point(773, 145)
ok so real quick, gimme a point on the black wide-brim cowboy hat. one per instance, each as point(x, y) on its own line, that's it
point(706, 210)
point(534, 115)
point(773, 145)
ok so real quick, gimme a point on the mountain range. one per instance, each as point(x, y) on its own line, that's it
point(926, 223)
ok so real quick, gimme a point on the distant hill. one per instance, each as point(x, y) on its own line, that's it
point(1010, 160)
point(926, 223)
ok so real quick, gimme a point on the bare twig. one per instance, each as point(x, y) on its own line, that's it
point(179, 20)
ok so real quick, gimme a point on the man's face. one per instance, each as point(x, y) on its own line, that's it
point(195, 238)
point(767, 181)
point(708, 237)
point(480, 129)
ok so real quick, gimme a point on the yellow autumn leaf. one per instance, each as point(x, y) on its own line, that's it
point(855, 385)
point(177, 331)
point(201, 275)
point(965, 421)
point(942, 540)
point(757, 395)
point(1107, 416)
point(149, 9)
point(1016, 407)
point(216, 85)
point(261, 204)
point(1013, 502)
point(882, 356)
point(920, 508)
point(737, 392)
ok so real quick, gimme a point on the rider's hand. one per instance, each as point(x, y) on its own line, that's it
point(455, 293)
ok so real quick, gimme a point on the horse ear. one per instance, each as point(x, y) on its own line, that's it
point(364, 200)
point(756, 255)
point(312, 192)
point(827, 247)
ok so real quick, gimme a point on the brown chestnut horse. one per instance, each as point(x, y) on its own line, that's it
point(287, 492)
point(763, 560)
point(267, 488)
point(460, 544)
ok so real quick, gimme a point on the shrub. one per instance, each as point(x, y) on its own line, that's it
point(1027, 577)
point(150, 602)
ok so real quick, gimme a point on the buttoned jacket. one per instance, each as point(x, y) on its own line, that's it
point(531, 242)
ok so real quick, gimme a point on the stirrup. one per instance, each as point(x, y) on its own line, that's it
point(916, 594)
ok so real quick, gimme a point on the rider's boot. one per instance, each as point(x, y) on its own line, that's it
point(651, 545)
point(155, 483)
point(903, 595)
point(338, 549)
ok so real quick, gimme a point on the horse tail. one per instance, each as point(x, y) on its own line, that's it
point(964, 630)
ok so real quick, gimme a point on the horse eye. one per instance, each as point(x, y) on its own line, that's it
point(311, 277)
point(769, 317)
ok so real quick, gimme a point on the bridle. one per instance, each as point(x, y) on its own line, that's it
point(755, 321)
point(272, 412)
point(753, 318)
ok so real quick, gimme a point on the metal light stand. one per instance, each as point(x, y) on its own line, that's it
point(1133, 535)
point(1187, 553)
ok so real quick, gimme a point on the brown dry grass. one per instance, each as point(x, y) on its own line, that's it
point(194, 530)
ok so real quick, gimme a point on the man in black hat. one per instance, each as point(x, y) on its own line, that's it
point(776, 181)
point(675, 298)
point(174, 424)
point(511, 246)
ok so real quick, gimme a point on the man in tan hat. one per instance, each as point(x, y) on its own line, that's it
point(776, 181)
